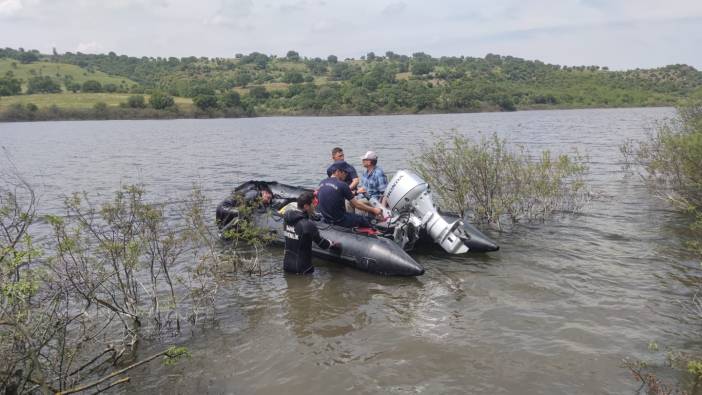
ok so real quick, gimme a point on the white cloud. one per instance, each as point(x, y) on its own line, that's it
point(230, 13)
point(10, 7)
point(394, 9)
point(623, 33)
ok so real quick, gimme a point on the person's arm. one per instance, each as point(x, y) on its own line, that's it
point(362, 187)
point(319, 240)
point(354, 177)
point(364, 207)
point(354, 183)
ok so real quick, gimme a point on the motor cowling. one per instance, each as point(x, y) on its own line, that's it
point(410, 197)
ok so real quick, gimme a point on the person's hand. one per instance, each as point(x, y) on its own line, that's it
point(335, 246)
point(361, 190)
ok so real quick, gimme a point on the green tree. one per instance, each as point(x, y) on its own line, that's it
point(293, 56)
point(43, 84)
point(205, 102)
point(136, 101)
point(231, 99)
point(332, 59)
point(422, 67)
point(344, 71)
point(293, 77)
point(259, 93)
point(317, 67)
point(73, 86)
point(10, 86)
point(242, 78)
point(28, 57)
point(161, 101)
point(92, 86)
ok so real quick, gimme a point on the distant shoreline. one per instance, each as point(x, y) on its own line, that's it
point(125, 114)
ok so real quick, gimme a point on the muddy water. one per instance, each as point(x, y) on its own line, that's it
point(554, 311)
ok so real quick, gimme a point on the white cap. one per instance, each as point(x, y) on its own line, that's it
point(370, 155)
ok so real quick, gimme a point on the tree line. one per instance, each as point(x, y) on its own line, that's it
point(375, 84)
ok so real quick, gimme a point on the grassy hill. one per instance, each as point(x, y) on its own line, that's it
point(60, 72)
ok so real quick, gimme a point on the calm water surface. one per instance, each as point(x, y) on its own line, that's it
point(554, 311)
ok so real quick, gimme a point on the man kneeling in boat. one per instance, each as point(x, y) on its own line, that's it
point(332, 194)
point(299, 233)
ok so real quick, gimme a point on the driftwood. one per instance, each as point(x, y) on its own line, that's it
point(112, 375)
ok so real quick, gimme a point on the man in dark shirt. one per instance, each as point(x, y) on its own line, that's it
point(351, 176)
point(332, 194)
point(299, 233)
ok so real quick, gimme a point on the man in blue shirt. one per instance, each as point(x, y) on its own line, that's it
point(373, 179)
point(332, 194)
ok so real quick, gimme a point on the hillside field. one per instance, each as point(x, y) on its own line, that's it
point(70, 100)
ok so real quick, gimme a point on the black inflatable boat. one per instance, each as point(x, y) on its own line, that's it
point(381, 250)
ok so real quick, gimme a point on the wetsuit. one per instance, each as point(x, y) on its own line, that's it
point(228, 210)
point(299, 233)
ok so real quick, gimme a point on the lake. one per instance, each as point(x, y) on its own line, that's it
point(554, 311)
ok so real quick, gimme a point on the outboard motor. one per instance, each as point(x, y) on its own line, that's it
point(410, 197)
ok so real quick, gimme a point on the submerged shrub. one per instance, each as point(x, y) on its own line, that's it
point(671, 163)
point(672, 157)
point(494, 182)
point(73, 312)
point(671, 160)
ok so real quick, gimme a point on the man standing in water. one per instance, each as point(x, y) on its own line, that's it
point(299, 233)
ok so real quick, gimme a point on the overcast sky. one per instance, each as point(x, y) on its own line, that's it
point(620, 34)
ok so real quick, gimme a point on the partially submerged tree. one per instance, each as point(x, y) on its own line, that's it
point(494, 182)
point(72, 316)
point(670, 160)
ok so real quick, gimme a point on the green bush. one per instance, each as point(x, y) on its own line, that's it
point(42, 84)
point(136, 101)
point(494, 182)
point(293, 77)
point(92, 86)
point(73, 86)
point(258, 93)
point(161, 101)
point(230, 99)
point(205, 102)
point(9, 85)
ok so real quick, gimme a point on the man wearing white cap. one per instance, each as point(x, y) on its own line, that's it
point(373, 180)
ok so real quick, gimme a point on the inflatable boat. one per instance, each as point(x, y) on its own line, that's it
point(413, 219)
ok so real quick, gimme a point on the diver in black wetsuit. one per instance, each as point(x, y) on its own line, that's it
point(257, 196)
point(300, 232)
